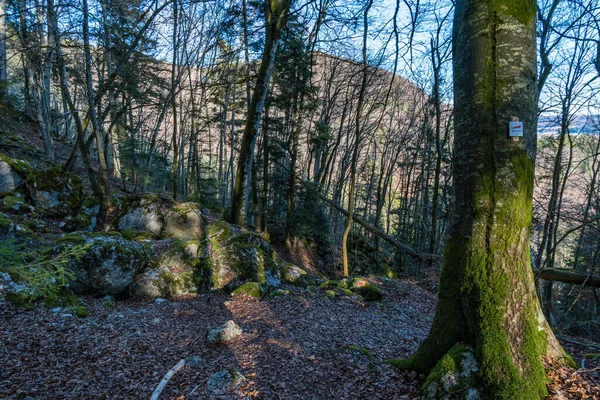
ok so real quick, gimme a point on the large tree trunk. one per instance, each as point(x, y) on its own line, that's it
point(276, 19)
point(487, 298)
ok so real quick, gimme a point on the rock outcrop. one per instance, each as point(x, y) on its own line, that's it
point(176, 272)
point(55, 192)
point(238, 256)
point(106, 264)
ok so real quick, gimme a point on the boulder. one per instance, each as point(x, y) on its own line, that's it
point(365, 289)
point(12, 174)
point(183, 221)
point(457, 373)
point(7, 227)
point(56, 192)
point(225, 380)
point(251, 289)
point(293, 274)
point(237, 256)
point(223, 333)
point(15, 204)
point(104, 264)
point(142, 213)
point(176, 272)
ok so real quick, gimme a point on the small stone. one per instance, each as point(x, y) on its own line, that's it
point(160, 300)
point(225, 380)
point(223, 333)
point(194, 361)
point(56, 310)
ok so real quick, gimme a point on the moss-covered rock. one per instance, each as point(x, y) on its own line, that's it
point(454, 376)
point(15, 204)
point(36, 225)
point(106, 266)
point(236, 255)
point(365, 289)
point(252, 289)
point(223, 333)
point(174, 273)
point(329, 284)
point(12, 175)
point(56, 192)
point(294, 275)
point(7, 226)
point(224, 381)
point(87, 217)
point(142, 213)
point(183, 221)
point(278, 293)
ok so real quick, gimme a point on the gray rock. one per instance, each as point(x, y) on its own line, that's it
point(173, 274)
point(55, 192)
point(143, 214)
point(225, 380)
point(10, 181)
point(223, 333)
point(183, 221)
point(238, 256)
point(107, 264)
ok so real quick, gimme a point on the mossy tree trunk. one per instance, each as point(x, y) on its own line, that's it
point(276, 19)
point(487, 297)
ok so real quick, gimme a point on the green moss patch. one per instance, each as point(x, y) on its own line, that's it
point(252, 289)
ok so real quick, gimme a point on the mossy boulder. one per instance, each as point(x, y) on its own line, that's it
point(329, 284)
point(15, 204)
point(294, 275)
point(174, 273)
point(56, 192)
point(252, 289)
point(143, 213)
point(236, 256)
point(12, 175)
point(183, 221)
point(365, 289)
point(87, 217)
point(454, 376)
point(106, 265)
point(161, 217)
point(7, 226)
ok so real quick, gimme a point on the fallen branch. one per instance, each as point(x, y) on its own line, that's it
point(374, 230)
point(165, 380)
point(559, 275)
point(579, 343)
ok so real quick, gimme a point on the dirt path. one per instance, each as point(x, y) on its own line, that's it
point(292, 347)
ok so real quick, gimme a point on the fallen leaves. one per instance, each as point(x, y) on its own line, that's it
point(292, 347)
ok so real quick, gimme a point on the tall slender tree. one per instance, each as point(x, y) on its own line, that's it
point(276, 17)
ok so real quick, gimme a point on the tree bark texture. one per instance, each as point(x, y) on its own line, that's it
point(487, 298)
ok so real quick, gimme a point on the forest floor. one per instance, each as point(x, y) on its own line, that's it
point(292, 347)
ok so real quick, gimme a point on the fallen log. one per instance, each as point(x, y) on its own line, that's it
point(575, 278)
point(374, 230)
